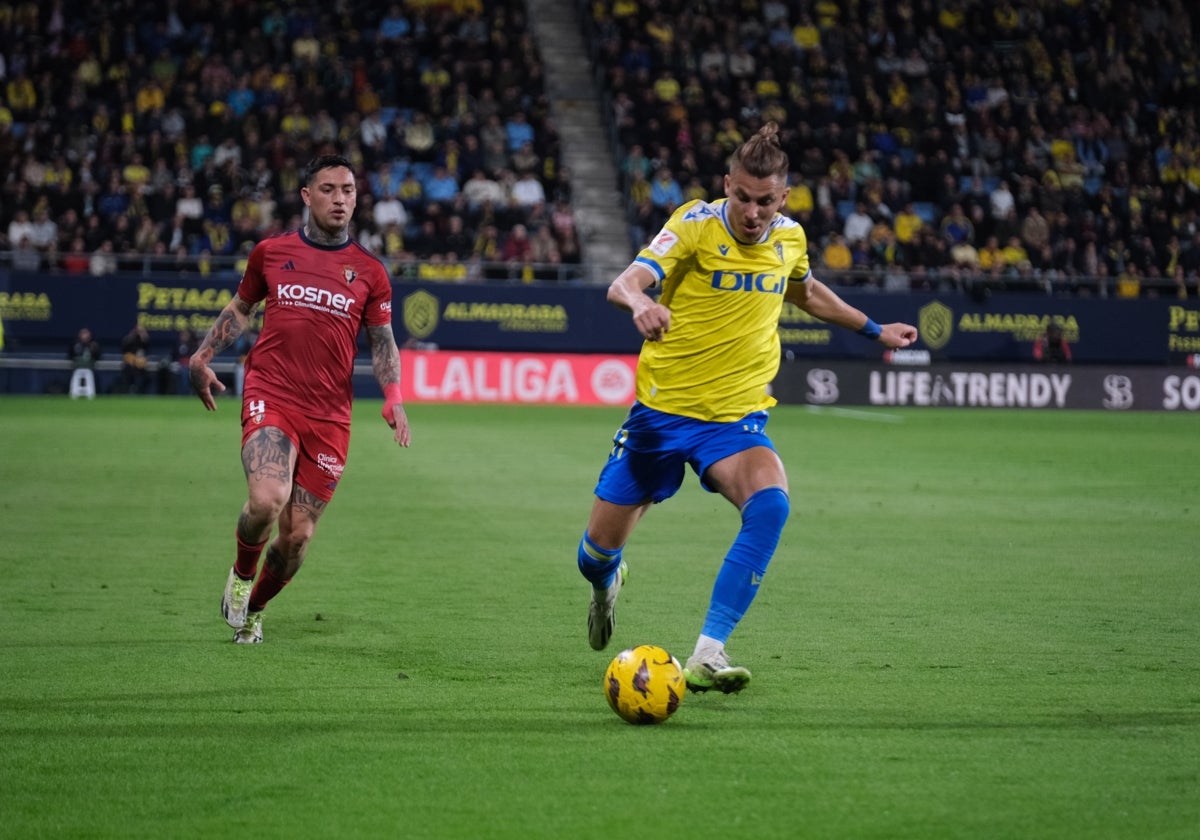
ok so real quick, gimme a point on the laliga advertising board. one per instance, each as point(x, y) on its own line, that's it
point(564, 378)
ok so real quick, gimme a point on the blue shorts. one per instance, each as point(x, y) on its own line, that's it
point(650, 450)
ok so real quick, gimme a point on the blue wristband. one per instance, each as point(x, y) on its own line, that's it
point(871, 330)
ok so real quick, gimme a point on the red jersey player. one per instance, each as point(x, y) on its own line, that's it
point(319, 288)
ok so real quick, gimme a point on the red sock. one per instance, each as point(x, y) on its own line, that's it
point(268, 587)
point(246, 565)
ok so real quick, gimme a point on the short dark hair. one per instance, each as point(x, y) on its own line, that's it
point(324, 162)
point(762, 156)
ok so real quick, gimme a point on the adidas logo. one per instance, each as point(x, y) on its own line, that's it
point(289, 266)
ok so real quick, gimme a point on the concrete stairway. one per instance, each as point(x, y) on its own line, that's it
point(576, 109)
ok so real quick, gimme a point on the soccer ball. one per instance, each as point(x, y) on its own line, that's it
point(644, 684)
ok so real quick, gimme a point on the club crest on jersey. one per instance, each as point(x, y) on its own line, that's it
point(257, 410)
point(349, 274)
point(779, 250)
point(664, 242)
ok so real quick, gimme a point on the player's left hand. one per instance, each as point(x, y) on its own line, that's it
point(897, 335)
point(399, 422)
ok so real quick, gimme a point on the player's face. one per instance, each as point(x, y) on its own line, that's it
point(752, 203)
point(331, 198)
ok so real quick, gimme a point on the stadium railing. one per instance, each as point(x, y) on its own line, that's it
point(888, 280)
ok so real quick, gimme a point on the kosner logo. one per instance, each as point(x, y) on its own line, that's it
point(314, 295)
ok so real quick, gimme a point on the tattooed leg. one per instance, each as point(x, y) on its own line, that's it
point(268, 459)
point(297, 523)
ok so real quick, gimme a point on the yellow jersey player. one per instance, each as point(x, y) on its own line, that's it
point(711, 350)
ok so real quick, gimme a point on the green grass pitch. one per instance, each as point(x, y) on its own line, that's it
point(979, 624)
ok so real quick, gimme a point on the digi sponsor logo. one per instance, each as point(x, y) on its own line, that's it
point(295, 293)
point(739, 281)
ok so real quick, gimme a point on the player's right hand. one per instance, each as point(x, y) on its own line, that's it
point(653, 321)
point(203, 381)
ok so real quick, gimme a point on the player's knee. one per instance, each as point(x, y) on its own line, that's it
point(267, 499)
point(767, 510)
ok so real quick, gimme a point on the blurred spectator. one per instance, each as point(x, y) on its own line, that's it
point(75, 260)
point(907, 226)
point(20, 228)
point(665, 192)
point(956, 228)
point(135, 361)
point(177, 380)
point(1129, 282)
point(481, 191)
point(517, 132)
point(456, 242)
point(1035, 230)
point(517, 245)
point(487, 245)
point(412, 194)
point(528, 191)
point(103, 261)
point(389, 210)
point(442, 187)
point(1051, 347)
point(857, 226)
point(84, 351)
point(836, 255)
point(25, 257)
point(644, 223)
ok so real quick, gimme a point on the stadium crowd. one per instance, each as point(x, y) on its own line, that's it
point(1045, 145)
point(1022, 144)
point(173, 134)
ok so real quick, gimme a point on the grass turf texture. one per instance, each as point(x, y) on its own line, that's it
point(978, 624)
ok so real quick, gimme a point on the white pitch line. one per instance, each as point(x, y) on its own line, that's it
point(854, 414)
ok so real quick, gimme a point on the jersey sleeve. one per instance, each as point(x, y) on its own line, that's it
point(378, 311)
point(801, 271)
point(253, 285)
point(673, 244)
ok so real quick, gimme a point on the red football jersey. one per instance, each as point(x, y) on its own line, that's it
point(317, 299)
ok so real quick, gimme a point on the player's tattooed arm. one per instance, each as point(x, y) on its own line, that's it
point(229, 324)
point(226, 329)
point(385, 357)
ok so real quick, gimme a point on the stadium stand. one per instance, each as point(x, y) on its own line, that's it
point(1083, 110)
point(140, 134)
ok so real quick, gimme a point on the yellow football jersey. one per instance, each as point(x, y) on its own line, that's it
point(722, 350)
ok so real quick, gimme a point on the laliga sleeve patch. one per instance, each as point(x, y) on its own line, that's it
point(664, 242)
